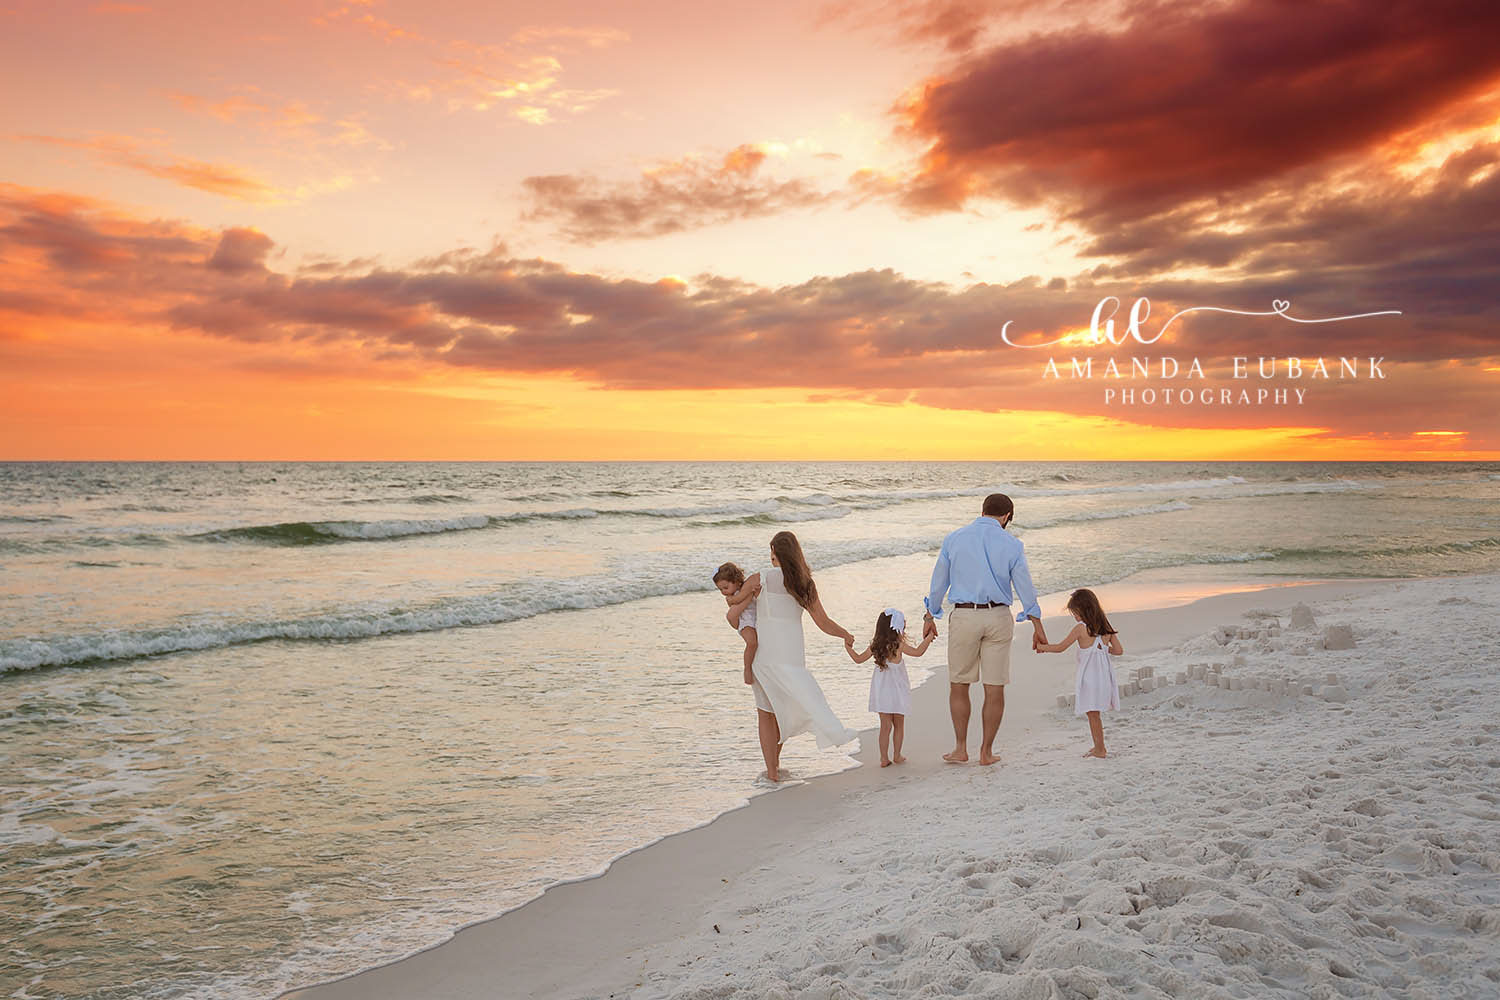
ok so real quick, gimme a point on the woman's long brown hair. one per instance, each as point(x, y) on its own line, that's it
point(794, 571)
point(887, 640)
point(1086, 605)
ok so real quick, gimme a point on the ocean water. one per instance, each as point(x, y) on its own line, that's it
point(262, 724)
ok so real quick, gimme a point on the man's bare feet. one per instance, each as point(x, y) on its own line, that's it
point(885, 763)
point(957, 757)
point(987, 759)
point(898, 759)
point(1096, 753)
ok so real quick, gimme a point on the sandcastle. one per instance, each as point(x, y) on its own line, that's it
point(1231, 672)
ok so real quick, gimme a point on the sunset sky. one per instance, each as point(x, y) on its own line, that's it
point(455, 229)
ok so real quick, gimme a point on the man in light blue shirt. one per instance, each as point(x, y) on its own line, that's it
point(977, 567)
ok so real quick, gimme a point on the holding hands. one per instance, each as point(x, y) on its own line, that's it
point(929, 627)
point(1038, 637)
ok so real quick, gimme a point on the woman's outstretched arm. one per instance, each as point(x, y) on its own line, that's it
point(825, 624)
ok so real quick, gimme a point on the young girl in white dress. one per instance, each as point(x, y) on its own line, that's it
point(1095, 689)
point(890, 687)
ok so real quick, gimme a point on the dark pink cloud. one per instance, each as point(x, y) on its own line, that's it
point(871, 334)
point(1190, 101)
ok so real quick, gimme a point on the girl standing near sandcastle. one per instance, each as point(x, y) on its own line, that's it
point(890, 687)
point(1095, 689)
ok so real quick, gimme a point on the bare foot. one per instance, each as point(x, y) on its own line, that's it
point(957, 757)
point(1096, 753)
point(885, 763)
point(988, 758)
point(898, 759)
point(771, 776)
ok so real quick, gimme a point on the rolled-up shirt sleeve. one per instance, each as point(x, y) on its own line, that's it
point(934, 599)
point(1020, 576)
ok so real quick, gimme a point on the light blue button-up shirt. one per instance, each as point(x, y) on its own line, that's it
point(977, 565)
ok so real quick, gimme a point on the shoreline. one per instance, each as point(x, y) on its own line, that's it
point(673, 881)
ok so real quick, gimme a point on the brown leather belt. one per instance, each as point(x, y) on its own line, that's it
point(989, 604)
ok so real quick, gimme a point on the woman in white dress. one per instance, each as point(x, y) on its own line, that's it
point(788, 700)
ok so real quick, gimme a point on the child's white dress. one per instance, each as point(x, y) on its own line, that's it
point(1095, 689)
point(890, 689)
point(747, 617)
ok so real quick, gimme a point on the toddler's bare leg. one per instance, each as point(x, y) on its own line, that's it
point(885, 739)
point(751, 643)
point(898, 732)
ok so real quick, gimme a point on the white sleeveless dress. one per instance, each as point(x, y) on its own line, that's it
point(1095, 689)
point(782, 682)
point(890, 689)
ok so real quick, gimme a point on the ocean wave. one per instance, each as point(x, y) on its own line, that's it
point(538, 597)
point(814, 500)
point(369, 621)
point(1455, 547)
point(63, 543)
point(1111, 515)
point(330, 532)
point(781, 509)
point(779, 517)
point(323, 532)
point(424, 498)
point(1172, 486)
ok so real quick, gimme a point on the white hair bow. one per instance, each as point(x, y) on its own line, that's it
point(898, 620)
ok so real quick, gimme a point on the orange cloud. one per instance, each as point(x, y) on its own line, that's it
point(668, 197)
point(282, 121)
point(848, 342)
point(521, 76)
point(215, 178)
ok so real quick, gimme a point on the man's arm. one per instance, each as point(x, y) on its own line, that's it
point(1020, 577)
point(939, 586)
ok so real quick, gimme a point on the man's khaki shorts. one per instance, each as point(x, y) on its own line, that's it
point(979, 645)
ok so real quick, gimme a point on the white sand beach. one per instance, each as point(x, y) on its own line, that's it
point(1243, 839)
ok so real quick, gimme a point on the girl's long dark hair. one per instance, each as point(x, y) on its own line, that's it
point(886, 642)
point(1086, 605)
point(794, 571)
